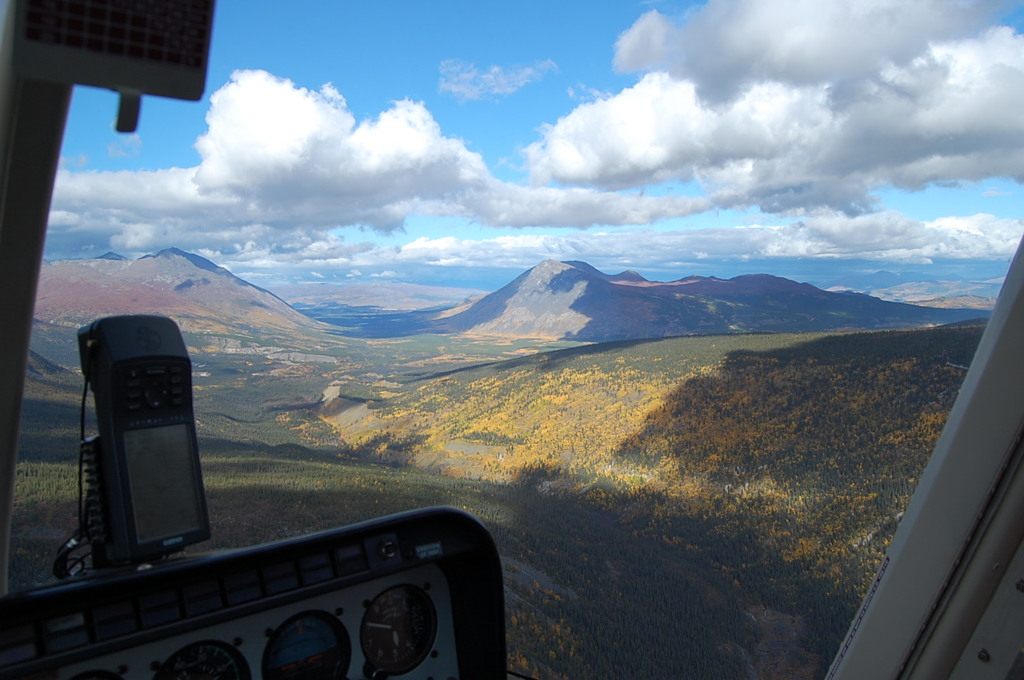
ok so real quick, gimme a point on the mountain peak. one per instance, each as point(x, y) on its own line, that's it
point(574, 300)
point(770, 282)
point(197, 260)
point(195, 292)
point(582, 266)
point(630, 276)
point(555, 267)
point(545, 272)
point(627, 276)
point(111, 255)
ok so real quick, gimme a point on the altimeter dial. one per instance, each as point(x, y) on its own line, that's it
point(206, 660)
point(398, 629)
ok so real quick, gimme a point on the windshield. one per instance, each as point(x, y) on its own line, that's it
point(674, 297)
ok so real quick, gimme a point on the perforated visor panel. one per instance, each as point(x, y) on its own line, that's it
point(164, 31)
point(147, 46)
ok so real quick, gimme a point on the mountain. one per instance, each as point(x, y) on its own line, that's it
point(928, 293)
point(554, 300)
point(40, 367)
point(573, 300)
point(865, 283)
point(978, 294)
point(198, 294)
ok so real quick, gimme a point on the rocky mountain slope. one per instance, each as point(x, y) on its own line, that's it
point(554, 300)
point(574, 300)
point(198, 294)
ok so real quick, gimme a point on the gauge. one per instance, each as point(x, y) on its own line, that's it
point(308, 646)
point(398, 629)
point(206, 660)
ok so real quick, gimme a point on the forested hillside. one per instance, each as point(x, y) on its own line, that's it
point(583, 593)
point(784, 461)
point(691, 507)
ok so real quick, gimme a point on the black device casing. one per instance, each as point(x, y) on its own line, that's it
point(141, 378)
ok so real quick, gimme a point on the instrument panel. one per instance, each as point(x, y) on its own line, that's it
point(412, 595)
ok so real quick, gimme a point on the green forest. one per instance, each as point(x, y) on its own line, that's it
point(707, 507)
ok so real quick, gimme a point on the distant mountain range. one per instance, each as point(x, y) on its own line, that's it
point(198, 294)
point(575, 300)
point(899, 288)
point(556, 300)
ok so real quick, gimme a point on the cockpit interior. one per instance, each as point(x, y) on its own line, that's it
point(414, 595)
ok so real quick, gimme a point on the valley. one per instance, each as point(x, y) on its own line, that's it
point(638, 490)
point(705, 505)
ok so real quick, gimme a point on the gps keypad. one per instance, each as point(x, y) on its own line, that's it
point(155, 386)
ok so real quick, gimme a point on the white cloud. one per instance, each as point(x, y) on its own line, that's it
point(585, 93)
point(284, 164)
point(894, 237)
point(130, 145)
point(295, 156)
point(807, 110)
point(516, 206)
point(728, 45)
point(885, 236)
point(792, 146)
point(645, 46)
point(467, 82)
point(659, 130)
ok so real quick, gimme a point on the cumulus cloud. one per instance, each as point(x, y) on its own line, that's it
point(793, 141)
point(516, 206)
point(646, 45)
point(283, 153)
point(467, 82)
point(895, 238)
point(730, 44)
point(807, 110)
point(836, 236)
point(287, 163)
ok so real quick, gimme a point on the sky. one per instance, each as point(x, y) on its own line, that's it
point(460, 143)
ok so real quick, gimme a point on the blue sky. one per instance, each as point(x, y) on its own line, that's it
point(460, 143)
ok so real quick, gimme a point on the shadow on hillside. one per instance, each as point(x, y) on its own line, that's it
point(544, 361)
point(757, 303)
point(806, 454)
point(573, 581)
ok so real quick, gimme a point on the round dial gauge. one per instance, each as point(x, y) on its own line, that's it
point(308, 646)
point(398, 629)
point(206, 660)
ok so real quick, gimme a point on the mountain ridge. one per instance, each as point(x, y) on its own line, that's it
point(553, 300)
point(574, 300)
point(977, 294)
point(199, 294)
